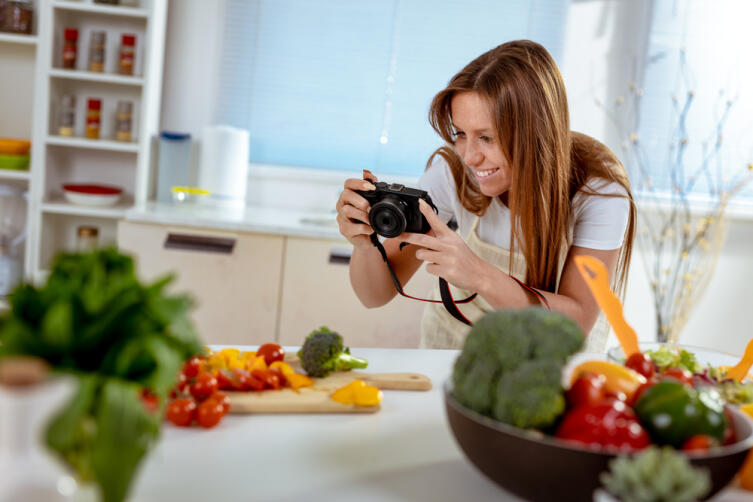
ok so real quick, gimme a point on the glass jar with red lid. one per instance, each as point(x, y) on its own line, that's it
point(127, 51)
point(93, 113)
point(70, 48)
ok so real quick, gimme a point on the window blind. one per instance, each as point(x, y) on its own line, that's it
point(700, 47)
point(346, 85)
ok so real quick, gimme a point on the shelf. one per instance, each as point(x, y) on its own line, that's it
point(93, 144)
point(9, 174)
point(109, 78)
point(60, 206)
point(109, 10)
point(13, 38)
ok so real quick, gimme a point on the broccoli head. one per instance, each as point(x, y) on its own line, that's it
point(323, 352)
point(511, 364)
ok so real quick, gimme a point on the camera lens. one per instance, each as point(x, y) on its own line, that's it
point(387, 217)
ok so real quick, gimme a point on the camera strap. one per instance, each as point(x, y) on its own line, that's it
point(444, 290)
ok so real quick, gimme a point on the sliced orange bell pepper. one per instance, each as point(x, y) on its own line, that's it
point(745, 474)
point(619, 379)
point(359, 393)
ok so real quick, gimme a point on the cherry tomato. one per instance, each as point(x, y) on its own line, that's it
point(182, 384)
point(642, 364)
point(210, 413)
point(223, 399)
point(192, 366)
point(271, 352)
point(729, 431)
point(182, 412)
point(679, 374)
point(269, 378)
point(699, 442)
point(587, 389)
point(149, 400)
point(204, 386)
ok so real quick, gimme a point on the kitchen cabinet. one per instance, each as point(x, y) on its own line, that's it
point(316, 291)
point(270, 286)
point(234, 277)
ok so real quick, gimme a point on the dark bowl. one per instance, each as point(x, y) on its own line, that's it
point(542, 468)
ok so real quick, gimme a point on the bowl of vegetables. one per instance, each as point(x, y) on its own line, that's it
point(546, 433)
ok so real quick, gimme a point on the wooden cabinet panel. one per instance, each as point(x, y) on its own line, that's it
point(237, 290)
point(316, 292)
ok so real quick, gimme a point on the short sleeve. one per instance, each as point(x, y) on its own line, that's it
point(439, 183)
point(601, 219)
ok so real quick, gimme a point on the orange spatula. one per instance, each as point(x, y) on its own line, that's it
point(740, 370)
point(597, 278)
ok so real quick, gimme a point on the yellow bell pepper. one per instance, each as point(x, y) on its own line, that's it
point(297, 380)
point(247, 358)
point(283, 367)
point(359, 393)
point(258, 363)
point(619, 379)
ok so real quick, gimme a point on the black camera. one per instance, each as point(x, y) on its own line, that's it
point(394, 209)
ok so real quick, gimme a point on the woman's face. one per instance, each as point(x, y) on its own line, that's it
point(476, 142)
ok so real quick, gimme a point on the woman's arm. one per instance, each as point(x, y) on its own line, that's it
point(369, 275)
point(448, 256)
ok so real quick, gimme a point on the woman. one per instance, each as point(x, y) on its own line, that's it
point(527, 193)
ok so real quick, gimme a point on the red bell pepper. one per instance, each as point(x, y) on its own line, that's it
point(608, 423)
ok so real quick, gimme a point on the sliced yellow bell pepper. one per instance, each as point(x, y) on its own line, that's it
point(359, 393)
point(297, 380)
point(619, 379)
point(258, 363)
point(283, 367)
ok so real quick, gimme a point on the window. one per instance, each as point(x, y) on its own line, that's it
point(701, 47)
point(346, 84)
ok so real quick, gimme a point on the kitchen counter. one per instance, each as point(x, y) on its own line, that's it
point(254, 219)
point(404, 452)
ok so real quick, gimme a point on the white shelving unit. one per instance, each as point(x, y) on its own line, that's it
point(57, 160)
point(18, 54)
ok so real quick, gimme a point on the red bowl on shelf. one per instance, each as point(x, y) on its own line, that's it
point(92, 195)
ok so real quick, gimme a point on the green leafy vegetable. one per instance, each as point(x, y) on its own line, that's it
point(668, 357)
point(95, 320)
point(656, 475)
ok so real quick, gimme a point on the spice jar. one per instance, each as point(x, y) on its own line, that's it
point(97, 51)
point(93, 110)
point(67, 115)
point(127, 49)
point(17, 16)
point(70, 47)
point(123, 121)
point(86, 238)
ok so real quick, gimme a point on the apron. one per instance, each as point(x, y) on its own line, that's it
point(439, 330)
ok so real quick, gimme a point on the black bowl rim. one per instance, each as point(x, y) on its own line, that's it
point(680, 345)
point(539, 437)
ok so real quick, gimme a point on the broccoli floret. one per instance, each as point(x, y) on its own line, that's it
point(511, 365)
point(530, 395)
point(323, 352)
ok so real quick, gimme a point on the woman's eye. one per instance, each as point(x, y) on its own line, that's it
point(458, 134)
point(485, 139)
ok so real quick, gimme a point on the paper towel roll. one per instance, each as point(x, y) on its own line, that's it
point(223, 165)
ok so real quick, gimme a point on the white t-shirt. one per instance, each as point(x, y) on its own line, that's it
point(599, 222)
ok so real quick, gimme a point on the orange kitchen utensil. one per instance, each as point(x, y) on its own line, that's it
point(597, 278)
point(740, 370)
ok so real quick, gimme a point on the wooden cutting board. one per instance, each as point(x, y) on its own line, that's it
point(316, 399)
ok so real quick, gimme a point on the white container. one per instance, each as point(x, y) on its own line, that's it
point(223, 166)
point(174, 163)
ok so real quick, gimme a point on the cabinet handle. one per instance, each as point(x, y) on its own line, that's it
point(187, 242)
point(339, 256)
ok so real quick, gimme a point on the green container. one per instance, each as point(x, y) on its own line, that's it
point(17, 162)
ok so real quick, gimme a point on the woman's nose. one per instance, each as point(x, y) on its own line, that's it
point(472, 156)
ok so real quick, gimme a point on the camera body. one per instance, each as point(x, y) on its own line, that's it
point(394, 209)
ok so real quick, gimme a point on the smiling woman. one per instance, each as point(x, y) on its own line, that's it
point(529, 195)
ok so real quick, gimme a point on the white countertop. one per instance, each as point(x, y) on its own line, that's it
point(404, 452)
point(255, 219)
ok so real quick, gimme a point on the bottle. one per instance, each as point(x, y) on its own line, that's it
point(123, 121)
point(67, 116)
point(127, 49)
point(97, 51)
point(70, 47)
point(18, 16)
point(93, 110)
point(86, 238)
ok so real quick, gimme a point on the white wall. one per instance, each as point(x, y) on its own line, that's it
point(603, 36)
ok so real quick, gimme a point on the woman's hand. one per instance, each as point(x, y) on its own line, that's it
point(446, 253)
point(353, 211)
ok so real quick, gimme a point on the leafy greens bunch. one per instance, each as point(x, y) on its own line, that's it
point(95, 320)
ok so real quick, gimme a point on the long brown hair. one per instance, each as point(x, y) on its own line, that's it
point(549, 163)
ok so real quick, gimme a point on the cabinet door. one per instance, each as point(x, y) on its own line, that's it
point(316, 291)
point(234, 277)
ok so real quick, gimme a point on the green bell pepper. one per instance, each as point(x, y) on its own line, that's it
point(672, 412)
